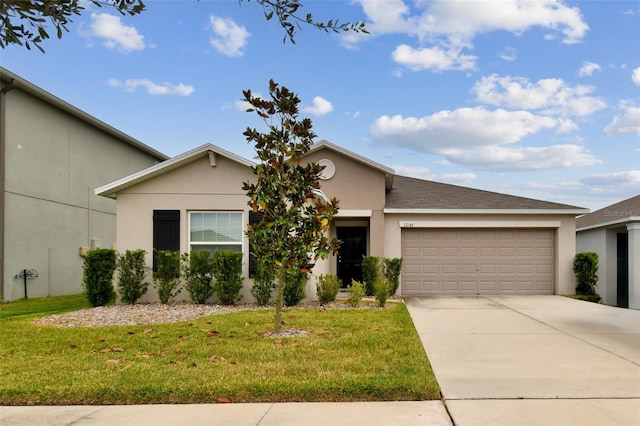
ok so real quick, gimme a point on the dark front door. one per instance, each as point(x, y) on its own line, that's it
point(623, 270)
point(353, 247)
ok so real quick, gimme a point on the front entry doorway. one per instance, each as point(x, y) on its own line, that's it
point(353, 247)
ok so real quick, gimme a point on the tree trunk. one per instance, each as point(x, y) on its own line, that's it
point(282, 281)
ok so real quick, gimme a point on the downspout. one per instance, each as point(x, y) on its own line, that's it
point(89, 221)
point(3, 135)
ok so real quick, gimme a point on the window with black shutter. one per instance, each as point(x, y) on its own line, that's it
point(166, 232)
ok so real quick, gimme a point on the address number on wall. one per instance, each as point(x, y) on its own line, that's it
point(407, 224)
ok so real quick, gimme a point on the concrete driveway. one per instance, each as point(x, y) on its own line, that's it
point(532, 360)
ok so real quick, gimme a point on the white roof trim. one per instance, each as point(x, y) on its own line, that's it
point(354, 213)
point(621, 221)
point(485, 211)
point(110, 189)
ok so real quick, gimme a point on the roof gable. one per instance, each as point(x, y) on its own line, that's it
point(417, 195)
point(111, 189)
point(389, 173)
point(622, 212)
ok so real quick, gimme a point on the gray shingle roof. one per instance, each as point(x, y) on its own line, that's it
point(411, 193)
point(614, 213)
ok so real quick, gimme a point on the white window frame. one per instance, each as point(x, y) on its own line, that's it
point(214, 243)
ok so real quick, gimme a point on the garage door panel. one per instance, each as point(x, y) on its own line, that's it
point(488, 286)
point(487, 269)
point(411, 269)
point(478, 261)
point(409, 252)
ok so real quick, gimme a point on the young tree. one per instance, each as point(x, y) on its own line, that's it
point(292, 231)
point(34, 16)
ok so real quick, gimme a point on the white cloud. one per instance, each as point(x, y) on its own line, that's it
point(508, 54)
point(550, 96)
point(627, 122)
point(472, 18)
point(445, 28)
point(425, 173)
point(434, 58)
point(115, 34)
point(460, 128)
point(627, 179)
point(413, 171)
point(475, 137)
point(588, 68)
point(464, 20)
point(152, 88)
point(635, 76)
point(242, 105)
point(320, 107)
point(229, 38)
point(456, 178)
point(526, 158)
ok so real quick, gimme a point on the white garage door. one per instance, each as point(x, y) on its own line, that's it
point(477, 261)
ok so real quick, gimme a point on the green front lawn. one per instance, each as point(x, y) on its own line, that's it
point(350, 355)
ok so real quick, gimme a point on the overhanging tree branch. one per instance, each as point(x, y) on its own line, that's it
point(28, 22)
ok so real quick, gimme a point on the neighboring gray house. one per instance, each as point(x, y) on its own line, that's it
point(614, 233)
point(453, 240)
point(52, 157)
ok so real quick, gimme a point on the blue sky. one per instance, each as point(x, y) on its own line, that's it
point(534, 98)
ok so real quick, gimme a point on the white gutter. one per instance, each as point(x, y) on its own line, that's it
point(485, 211)
point(620, 221)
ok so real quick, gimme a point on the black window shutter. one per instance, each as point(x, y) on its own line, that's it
point(166, 232)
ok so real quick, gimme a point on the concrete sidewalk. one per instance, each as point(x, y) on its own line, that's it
point(309, 414)
point(532, 360)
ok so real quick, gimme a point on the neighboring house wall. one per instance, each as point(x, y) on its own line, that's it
point(54, 160)
point(634, 265)
point(614, 233)
point(603, 242)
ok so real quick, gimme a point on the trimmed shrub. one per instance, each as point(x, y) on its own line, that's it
point(166, 280)
point(131, 275)
point(197, 270)
point(263, 286)
point(594, 298)
point(585, 266)
point(99, 266)
point(227, 267)
point(381, 288)
point(295, 289)
point(355, 293)
point(391, 270)
point(327, 288)
point(370, 272)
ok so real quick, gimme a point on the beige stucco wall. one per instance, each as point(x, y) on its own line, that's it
point(563, 224)
point(359, 188)
point(195, 186)
point(199, 186)
point(54, 161)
